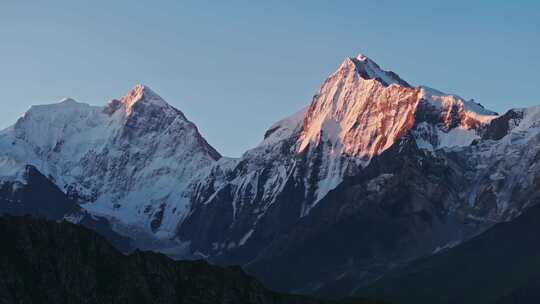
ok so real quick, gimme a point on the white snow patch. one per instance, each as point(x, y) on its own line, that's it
point(456, 137)
point(246, 237)
point(447, 246)
point(285, 128)
point(11, 170)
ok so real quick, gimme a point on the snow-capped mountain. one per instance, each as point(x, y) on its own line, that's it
point(376, 169)
point(409, 165)
point(131, 160)
point(359, 112)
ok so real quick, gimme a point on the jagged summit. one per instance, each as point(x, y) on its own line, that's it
point(363, 118)
point(143, 101)
point(362, 110)
point(362, 57)
point(142, 94)
point(369, 69)
point(358, 117)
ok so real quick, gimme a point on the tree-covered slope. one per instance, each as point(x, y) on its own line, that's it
point(59, 262)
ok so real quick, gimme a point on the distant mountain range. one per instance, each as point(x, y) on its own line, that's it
point(374, 174)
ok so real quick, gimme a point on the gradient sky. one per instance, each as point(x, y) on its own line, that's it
point(235, 67)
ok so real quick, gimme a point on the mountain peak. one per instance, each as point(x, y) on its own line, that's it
point(368, 69)
point(142, 94)
point(362, 57)
point(68, 100)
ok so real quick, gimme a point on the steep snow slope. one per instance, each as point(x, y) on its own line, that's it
point(506, 164)
point(132, 160)
point(447, 120)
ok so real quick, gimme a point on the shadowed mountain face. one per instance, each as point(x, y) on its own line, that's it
point(48, 262)
point(498, 266)
point(36, 195)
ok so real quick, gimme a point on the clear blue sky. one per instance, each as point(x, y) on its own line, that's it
point(235, 67)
